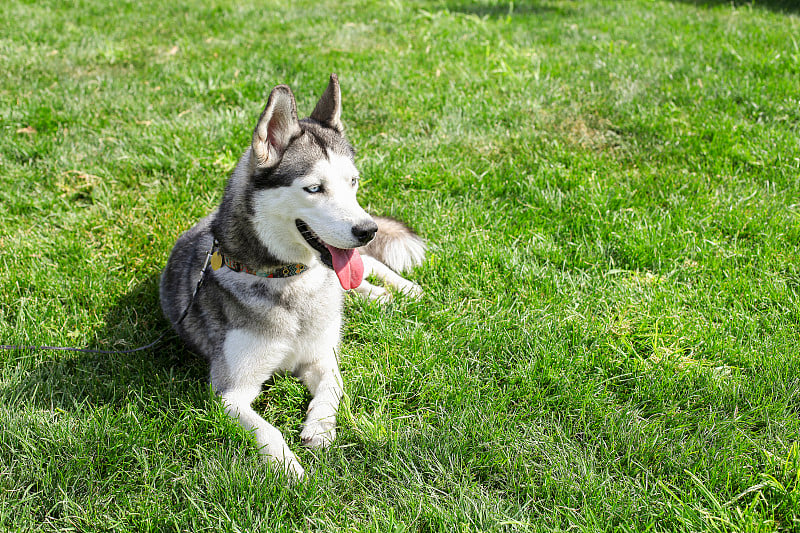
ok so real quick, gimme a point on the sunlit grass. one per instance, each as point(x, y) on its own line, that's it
point(609, 334)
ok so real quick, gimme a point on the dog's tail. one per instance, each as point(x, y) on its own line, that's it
point(395, 245)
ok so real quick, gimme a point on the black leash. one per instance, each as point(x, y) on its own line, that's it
point(132, 350)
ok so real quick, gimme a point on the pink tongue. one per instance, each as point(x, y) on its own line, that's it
point(348, 267)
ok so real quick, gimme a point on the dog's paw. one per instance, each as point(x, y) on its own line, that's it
point(294, 471)
point(318, 435)
point(384, 297)
point(412, 290)
point(374, 293)
point(288, 464)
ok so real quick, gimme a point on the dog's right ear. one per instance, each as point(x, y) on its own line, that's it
point(276, 128)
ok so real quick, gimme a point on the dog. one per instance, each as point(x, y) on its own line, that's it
point(288, 238)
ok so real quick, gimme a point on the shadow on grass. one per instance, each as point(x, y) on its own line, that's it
point(68, 381)
point(504, 9)
point(781, 6)
point(527, 8)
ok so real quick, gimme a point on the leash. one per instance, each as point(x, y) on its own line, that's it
point(132, 350)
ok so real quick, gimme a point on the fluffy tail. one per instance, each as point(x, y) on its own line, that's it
point(395, 245)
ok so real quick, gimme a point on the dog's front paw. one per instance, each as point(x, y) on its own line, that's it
point(288, 464)
point(384, 297)
point(318, 435)
point(294, 471)
point(374, 293)
point(412, 290)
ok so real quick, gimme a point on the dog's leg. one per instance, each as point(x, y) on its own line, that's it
point(249, 360)
point(269, 438)
point(374, 267)
point(373, 292)
point(325, 385)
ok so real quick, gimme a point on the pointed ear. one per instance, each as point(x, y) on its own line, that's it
point(276, 127)
point(329, 108)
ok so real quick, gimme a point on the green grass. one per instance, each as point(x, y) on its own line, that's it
point(609, 336)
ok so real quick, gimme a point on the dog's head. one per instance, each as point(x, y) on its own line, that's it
point(305, 180)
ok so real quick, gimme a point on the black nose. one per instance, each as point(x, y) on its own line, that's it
point(365, 232)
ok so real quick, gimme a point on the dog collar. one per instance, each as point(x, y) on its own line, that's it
point(284, 271)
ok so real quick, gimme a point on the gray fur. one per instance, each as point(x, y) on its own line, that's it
point(248, 327)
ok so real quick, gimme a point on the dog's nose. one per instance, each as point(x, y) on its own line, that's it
point(365, 232)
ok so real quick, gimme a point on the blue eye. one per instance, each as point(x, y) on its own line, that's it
point(313, 189)
point(354, 182)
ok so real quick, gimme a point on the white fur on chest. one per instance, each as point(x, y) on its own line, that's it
point(299, 325)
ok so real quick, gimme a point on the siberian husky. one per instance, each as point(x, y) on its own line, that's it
point(287, 239)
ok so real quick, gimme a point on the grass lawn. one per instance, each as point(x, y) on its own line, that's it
point(609, 335)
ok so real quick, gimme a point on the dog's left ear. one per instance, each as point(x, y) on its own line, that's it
point(329, 108)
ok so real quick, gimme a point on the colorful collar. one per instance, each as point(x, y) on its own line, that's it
point(285, 271)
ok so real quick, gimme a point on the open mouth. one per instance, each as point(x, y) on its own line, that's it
point(315, 242)
point(346, 262)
